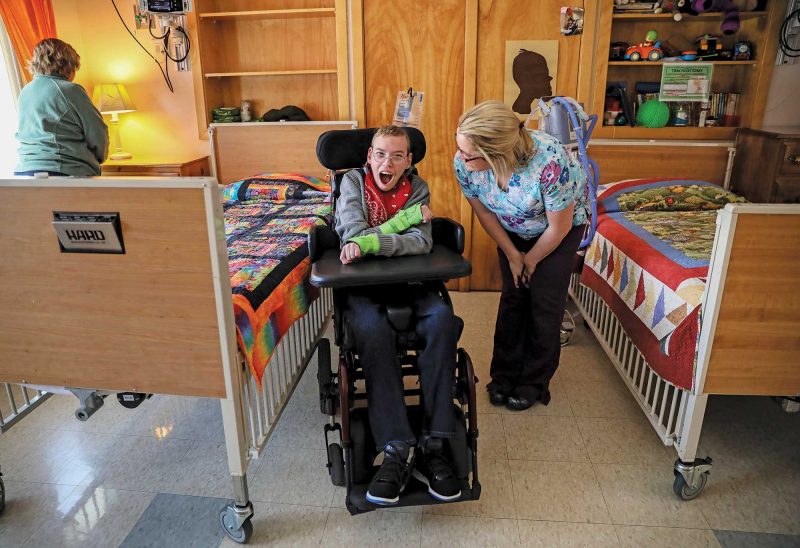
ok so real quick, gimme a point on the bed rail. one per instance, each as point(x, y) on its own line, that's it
point(266, 403)
point(16, 402)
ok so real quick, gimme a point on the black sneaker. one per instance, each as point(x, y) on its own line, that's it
point(392, 477)
point(437, 473)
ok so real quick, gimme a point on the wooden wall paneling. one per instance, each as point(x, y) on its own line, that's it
point(757, 341)
point(342, 76)
point(470, 85)
point(618, 162)
point(766, 51)
point(426, 52)
point(156, 330)
point(357, 68)
point(198, 82)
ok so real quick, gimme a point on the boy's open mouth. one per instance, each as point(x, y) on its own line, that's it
point(386, 177)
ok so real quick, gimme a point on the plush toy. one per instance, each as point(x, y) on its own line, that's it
point(730, 10)
point(670, 6)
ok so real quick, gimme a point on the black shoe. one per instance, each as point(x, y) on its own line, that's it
point(518, 403)
point(496, 397)
point(437, 473)
point(392, 477)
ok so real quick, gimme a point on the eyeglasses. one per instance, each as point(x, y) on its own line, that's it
point(468, 159)
point(381, 156)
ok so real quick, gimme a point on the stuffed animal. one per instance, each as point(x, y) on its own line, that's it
point(730, 10)
point(670, 6)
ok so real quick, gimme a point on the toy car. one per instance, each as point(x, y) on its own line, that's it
point(651, 52)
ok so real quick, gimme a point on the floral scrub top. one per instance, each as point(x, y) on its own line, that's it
point(550, 181)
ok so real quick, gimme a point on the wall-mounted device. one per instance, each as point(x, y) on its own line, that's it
point(166, 22)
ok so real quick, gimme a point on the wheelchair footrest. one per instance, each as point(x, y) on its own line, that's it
point(415, 494)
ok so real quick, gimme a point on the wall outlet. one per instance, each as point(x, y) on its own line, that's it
point(140, 18)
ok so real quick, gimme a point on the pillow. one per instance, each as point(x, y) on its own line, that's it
point(275, 187)
point(663, 195)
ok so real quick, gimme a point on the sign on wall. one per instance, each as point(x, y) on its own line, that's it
point(531, 71)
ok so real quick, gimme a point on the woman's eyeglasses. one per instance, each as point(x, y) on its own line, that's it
point(381, 156)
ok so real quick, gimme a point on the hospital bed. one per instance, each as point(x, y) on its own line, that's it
point(155, 314)
point(726, 323)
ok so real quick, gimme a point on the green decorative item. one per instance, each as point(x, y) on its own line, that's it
point(653, 113)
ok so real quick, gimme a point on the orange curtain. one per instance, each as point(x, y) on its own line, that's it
point(27, 22)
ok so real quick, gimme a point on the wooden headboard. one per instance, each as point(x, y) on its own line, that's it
point(241, 150)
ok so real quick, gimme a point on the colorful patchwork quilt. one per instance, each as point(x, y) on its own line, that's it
point(649, 261)
point(267, 219)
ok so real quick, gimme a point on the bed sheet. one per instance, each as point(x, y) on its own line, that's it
point(267, 220)
point(649, 261)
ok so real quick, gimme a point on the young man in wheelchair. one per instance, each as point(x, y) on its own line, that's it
point(383, 209)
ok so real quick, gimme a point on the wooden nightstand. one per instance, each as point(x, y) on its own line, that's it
point(766, 168)
point(161, 167)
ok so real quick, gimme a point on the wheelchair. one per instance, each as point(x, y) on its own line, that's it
point(351, 448)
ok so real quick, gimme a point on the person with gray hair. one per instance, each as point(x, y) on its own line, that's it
point(60, 131)
point(532, 199)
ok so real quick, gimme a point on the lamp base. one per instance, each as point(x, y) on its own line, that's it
point(120, 156)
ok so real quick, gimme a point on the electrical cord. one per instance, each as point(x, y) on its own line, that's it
point(783, 35)
point(165, 74)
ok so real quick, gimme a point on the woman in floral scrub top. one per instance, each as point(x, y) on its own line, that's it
point(531, 197)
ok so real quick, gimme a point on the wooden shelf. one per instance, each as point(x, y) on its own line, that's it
point(308, 13)
point(723, 133)
point(269, 73)
point(643, 63)
point(686, 17)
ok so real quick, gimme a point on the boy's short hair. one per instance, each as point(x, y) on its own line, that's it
point(54, 57)
point(392, 131)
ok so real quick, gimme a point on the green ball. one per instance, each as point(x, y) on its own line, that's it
point(653, 113)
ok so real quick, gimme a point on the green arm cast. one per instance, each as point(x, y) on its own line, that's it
point(403, 220)
point(367, 244)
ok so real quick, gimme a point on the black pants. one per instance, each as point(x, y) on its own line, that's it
point(376, 345)
point(527, 343)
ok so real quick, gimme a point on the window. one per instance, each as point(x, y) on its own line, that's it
point(9, 89)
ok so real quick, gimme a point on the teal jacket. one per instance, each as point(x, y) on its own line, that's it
point(60, 129)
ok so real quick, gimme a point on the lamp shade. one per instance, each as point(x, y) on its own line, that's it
point(112, 98)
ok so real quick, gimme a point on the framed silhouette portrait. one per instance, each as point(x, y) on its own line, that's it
point(531, 71)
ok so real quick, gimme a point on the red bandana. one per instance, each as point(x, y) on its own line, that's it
point(382, 206)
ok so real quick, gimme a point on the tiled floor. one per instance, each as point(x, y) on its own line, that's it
point(587, 470)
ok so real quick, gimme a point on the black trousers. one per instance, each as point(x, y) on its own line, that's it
point(527, 343)
point(376, 345)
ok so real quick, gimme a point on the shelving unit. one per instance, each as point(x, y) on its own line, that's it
point(273, 54)
point(750, 78)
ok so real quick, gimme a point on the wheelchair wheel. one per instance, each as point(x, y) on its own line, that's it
point(336, 460)
point(328, 394)
point(2, 496)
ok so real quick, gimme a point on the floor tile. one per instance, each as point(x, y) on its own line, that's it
point(497, 500)
point(470, 531)
point(642, 495)
point(178, 520)
point(91, 517)
point(544, 438)
point(292, 476)
point(378, 528)
point(300, 428)
point(737, 539)
point(610, 399)
point(557, 491)
point(491, 437)
point(665, 537)
point(544, 534)
point(29, 506)
point(284, 525)
point(623, 441)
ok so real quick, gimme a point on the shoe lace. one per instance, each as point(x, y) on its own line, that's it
point(391, 471)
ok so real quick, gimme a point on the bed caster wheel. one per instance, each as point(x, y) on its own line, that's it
point(691, 478)
point(336, 464)
point(228, 518)
point(132, 400)
point(685, 491)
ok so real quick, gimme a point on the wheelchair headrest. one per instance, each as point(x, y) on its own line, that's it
point(347, 148)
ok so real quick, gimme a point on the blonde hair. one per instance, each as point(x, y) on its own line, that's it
point(54, 57)
point(497, 135)
point(392, 131)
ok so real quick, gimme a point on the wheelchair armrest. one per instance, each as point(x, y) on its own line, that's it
point(448, 233)
point(321, 238)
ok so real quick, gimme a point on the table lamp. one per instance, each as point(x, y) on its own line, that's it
point(113, 99)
